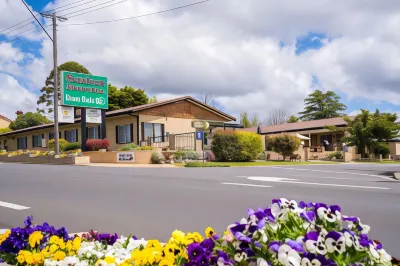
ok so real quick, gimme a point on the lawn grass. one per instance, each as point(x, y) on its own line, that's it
point(245, 164)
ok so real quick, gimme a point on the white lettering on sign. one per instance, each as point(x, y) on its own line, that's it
point(72, 98)
point(87, 99)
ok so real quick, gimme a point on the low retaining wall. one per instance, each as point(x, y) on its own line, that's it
point(128, 157)
point(45, 159)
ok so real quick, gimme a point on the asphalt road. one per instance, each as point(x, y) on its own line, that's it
point(151, 203)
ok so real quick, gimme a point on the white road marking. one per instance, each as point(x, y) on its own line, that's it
point(243, 184)
point(325, 171)
point(13, 206)
point(274, 179)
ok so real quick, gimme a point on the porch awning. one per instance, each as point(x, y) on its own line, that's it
point(301, 136)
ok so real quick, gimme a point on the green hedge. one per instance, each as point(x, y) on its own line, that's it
point(236, 146)
point(381, 148)
point(61, 143)
point(201, 164)
point(71, 146)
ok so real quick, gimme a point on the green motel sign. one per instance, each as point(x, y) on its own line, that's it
point(82, 90)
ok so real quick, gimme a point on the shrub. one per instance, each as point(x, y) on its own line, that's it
point(336, 154)
point(201, 164)
point(381, 148)
point(186, 155)
point(97, 144)
point(144, 148)
point(261, 156)
point(72, 146)
point(236, 146)
point(129, 147)
point(157, 158)
point(285, 145)
point(167, 155)
point(61, 143)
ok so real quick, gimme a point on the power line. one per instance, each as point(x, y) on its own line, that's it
point(31, 19)
point(144, 15)
point(19, 27)
point(74, 12)
point(97, 9)
point(36, 19)
point(48, 11)
point(70, 7)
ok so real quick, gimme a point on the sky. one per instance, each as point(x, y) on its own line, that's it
point(253, 55)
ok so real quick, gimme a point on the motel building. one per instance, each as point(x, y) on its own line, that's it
point(162, 124)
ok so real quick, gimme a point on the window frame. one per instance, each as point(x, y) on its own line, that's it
point(98, 132)
point(153, 130)
point(117, 135)
point(40, 145)
point(72, 130)
point(26, 143)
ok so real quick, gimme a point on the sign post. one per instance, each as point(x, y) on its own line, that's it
point(85, 91)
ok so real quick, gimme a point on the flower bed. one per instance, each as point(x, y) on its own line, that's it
point(285, 233)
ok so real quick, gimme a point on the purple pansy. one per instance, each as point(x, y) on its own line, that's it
point(274, 246)
point(108, 238)
point(242, 237)
point(309, 216)
point(295, 245)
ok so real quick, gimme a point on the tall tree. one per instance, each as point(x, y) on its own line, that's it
point(125, 97)
point(367, 130)
point(293, 119)
point(321, 105)
point(207, 98)
point(48, 90)
point(153, 99)
point(277, 116)
point(28, 120)
point(247, 121)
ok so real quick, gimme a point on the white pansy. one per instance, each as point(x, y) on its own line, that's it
point(326, 214)
point(288, 256)
point(261, 262)
point(307, 262)
point(240, 257)
point(320, 247)
point(333, 245)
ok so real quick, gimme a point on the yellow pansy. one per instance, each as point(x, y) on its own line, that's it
point(59, 255)
point(21, 258)
point(68, 245)
point(28, 258)
point(178, 235)
point(35, 238)
point(126, 263)
point(45, 252)
point(154, 244)
point(109, 260)
point(209, 232)
point(53, 248)
point(76, 243)
point(38, 258)
point(166, 262)
point(4, 236)
point(53, 239)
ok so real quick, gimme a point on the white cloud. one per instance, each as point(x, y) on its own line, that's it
point(14, 97)
point(231, 49)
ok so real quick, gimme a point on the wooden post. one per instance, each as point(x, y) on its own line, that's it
point(83, 129)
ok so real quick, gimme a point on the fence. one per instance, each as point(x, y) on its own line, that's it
point(184, 141)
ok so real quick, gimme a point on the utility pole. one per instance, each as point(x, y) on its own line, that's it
point(54, 18)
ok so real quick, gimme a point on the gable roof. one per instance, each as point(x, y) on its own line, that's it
point(175, 100)
point(303, 125)
point(132, 110)
point(5, 118)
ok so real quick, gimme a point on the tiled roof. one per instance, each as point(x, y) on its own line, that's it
point(5, 118)
point(298, 126)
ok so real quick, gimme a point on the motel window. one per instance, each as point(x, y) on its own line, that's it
point(93, 132)
point(37, 140)
point(22, 143)
point(51, 135)
point(151, 130)
point(71, 135)
point(124, 133)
